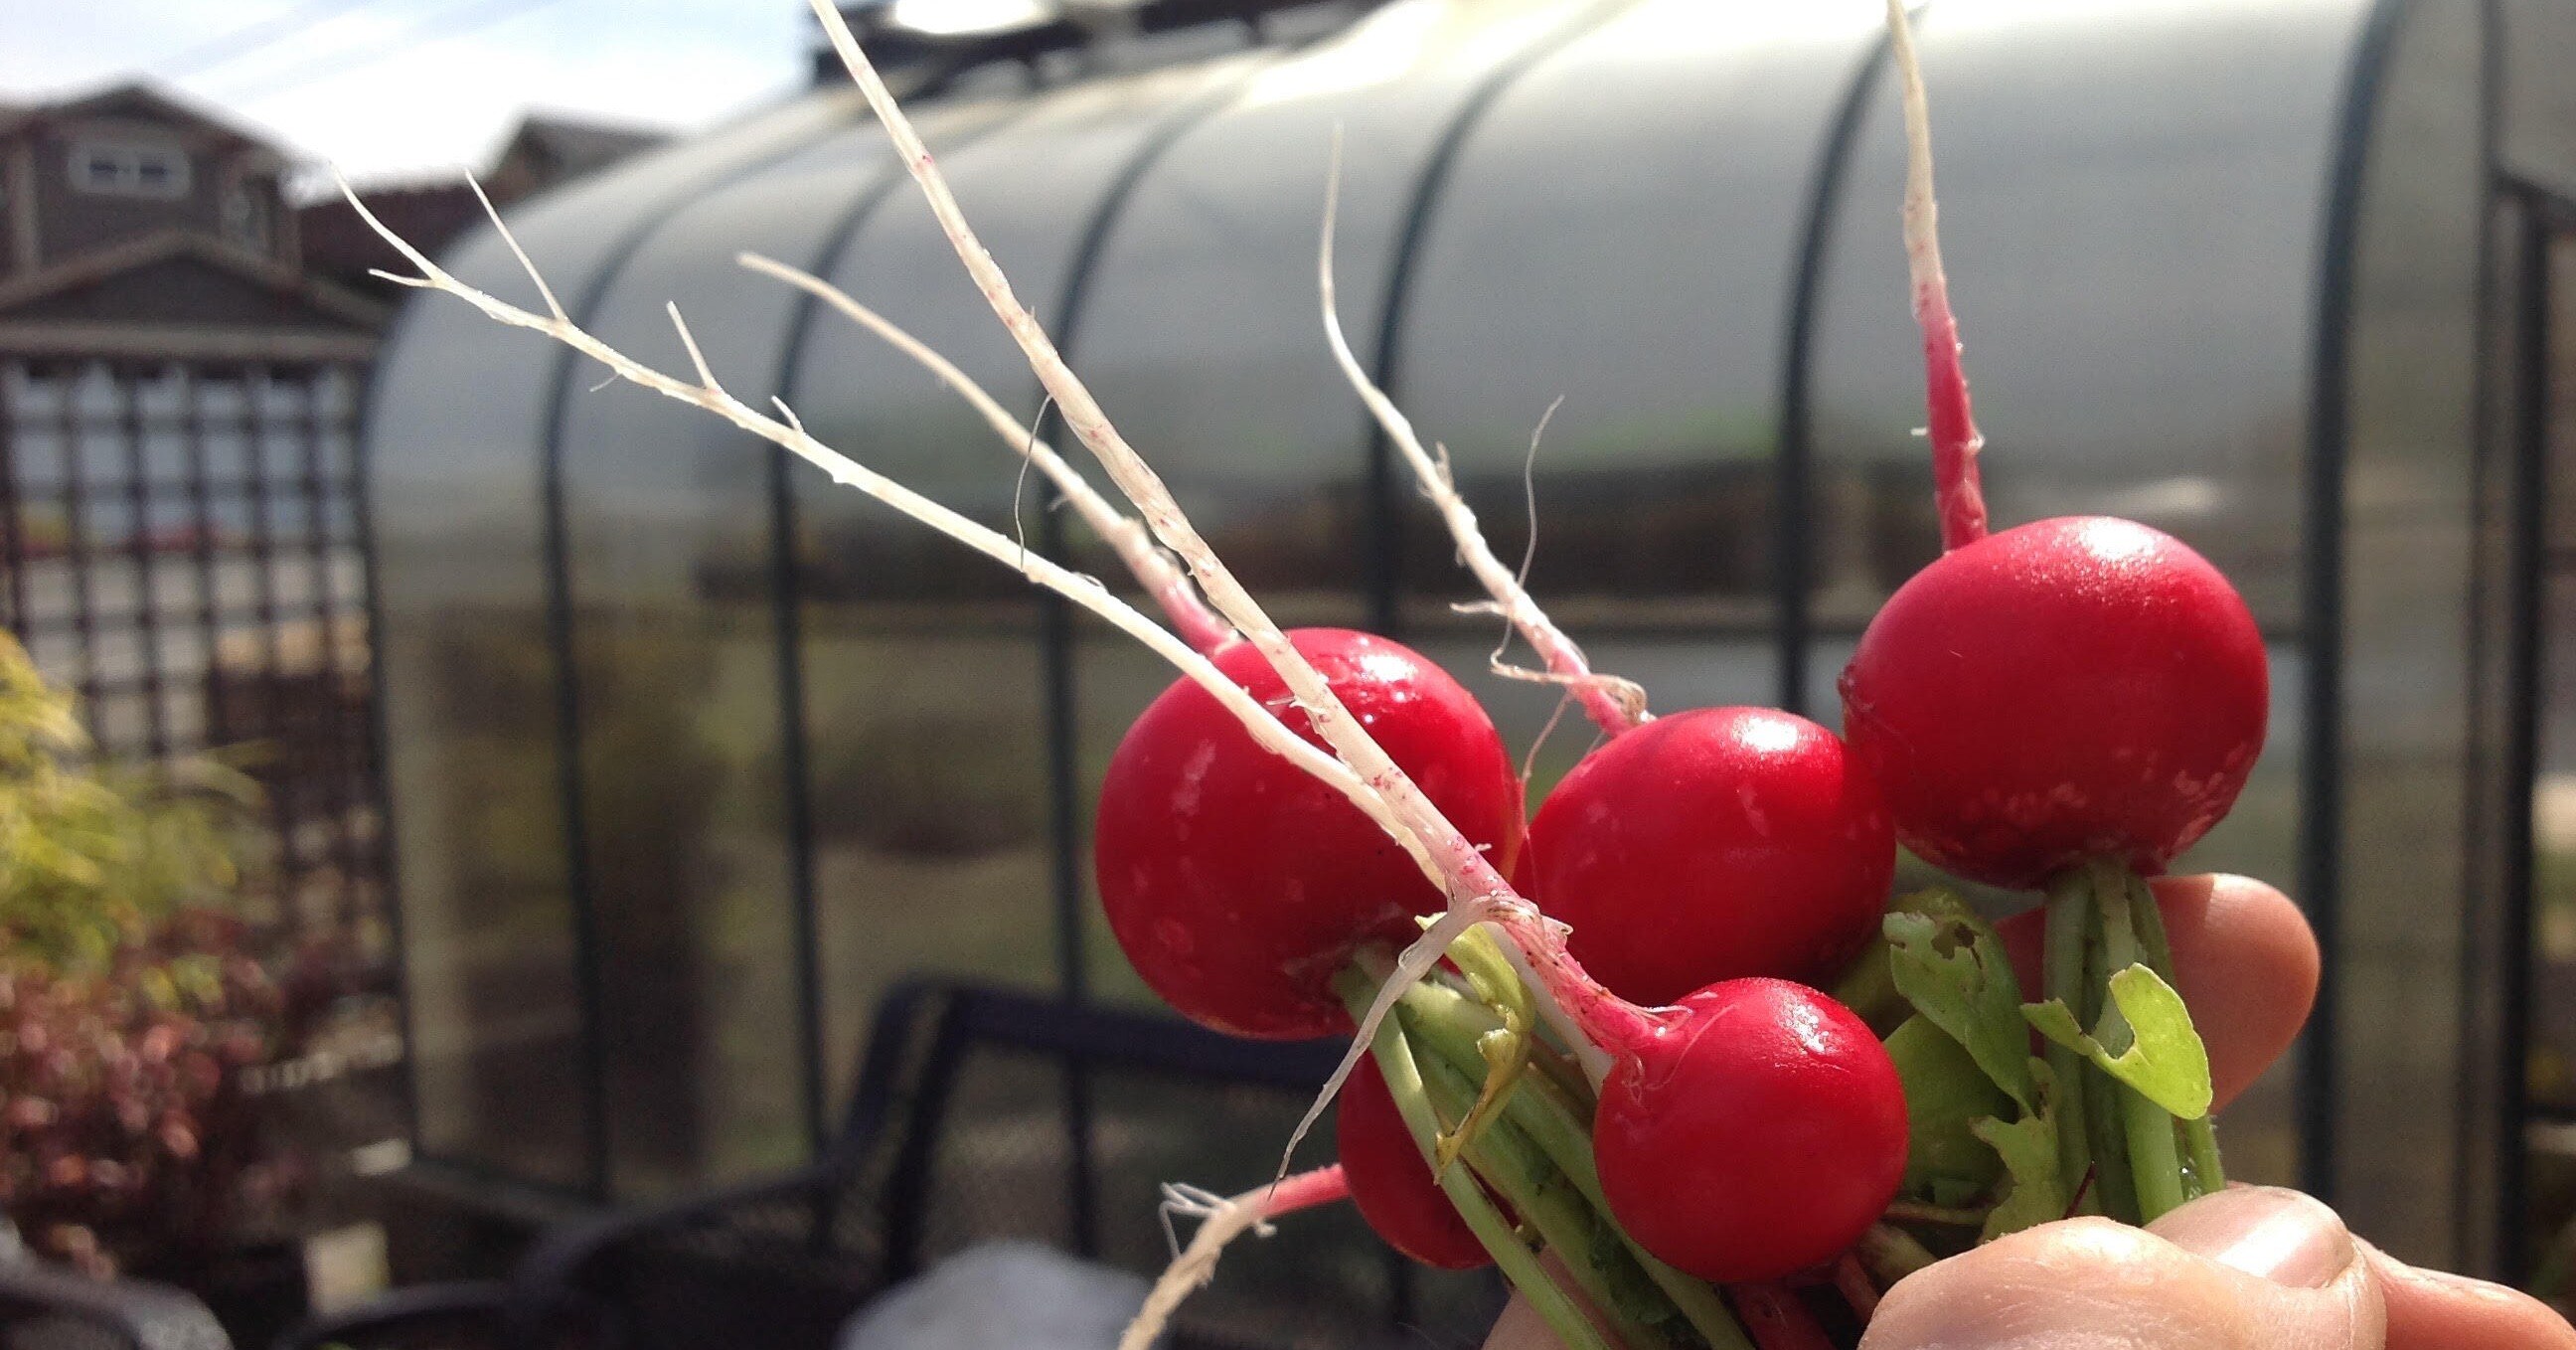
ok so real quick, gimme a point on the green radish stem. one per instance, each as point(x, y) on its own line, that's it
point(1890, 1253)
point(1476, 951)
point(2200, 1137)
point(2105, 1124)
point(2155, 1167)
point(2200, 1144)
point(1450, 1025)
point(2062, 979)
point(1544, 1197)
point(1504, 1051)
point(1519, 1264)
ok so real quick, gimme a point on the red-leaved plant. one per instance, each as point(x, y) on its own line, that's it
point(128, 1003)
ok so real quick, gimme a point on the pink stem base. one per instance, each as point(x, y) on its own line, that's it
point(1607, 1020)
point(1776, 1319)
point(1306, 1190)
point(1853, 1284)
point(1955, 487)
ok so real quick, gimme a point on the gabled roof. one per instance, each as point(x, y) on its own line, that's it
point(176, 292)
point(336, 243)
point(546, 151)
point(571, 147)
point(134, 98)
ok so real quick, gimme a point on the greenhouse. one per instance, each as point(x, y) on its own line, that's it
point(693, 755)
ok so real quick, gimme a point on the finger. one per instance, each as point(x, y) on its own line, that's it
point(2244, 959)
point(1519, 1328)
point(2248, 1269)
point(2429, 1310)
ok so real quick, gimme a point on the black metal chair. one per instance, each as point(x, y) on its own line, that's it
point(47, 1307)
point(979, 1114)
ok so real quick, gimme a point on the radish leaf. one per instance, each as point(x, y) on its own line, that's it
point(2028, 1147)
point(1950, 965)
point(2163, 1058)
point(1945, 1095)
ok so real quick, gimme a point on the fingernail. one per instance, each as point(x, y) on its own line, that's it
point(2282, 1236)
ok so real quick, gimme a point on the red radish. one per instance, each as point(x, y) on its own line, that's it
point(1236, 883)
point(1754, 1130)
point(2074, 688)
point(1712, 845)
point(1391, 1183)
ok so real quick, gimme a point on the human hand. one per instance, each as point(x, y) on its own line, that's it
point(2253, 1268)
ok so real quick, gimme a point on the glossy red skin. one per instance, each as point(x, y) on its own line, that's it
point(2073, 688)
point(1760, 1131)
point(1712, 845)
point(1236, 883)
point(1391, 1183)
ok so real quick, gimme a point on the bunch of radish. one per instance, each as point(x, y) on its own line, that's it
point(1665, 1049)
point(2064, 706)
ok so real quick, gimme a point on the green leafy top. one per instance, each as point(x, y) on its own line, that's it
point(2160, 1053)
point(1951, 966)
point(91, 855)
point(2036, 1193)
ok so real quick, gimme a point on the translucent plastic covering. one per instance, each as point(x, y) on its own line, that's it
point(471, 691)
point(2130, 195)
point(2409, 480)
point(929, 725)
point(1202, 332)
point(669, 530)
point(1655, 304)
point(1663, 330)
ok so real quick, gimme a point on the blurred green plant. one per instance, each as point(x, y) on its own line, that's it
point(128, 1003)
point(93, 857)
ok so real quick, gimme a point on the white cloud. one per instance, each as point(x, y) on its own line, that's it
point(398, 88)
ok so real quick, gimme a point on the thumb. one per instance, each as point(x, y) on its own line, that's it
point(2246, 1269)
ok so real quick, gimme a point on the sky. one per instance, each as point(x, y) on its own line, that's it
point(402, 89)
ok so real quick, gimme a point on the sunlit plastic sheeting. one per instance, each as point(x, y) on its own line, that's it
point(2130, 200)
point(925, 670)
point(1623, 230)
point(639, 469)
point(667, 513)
point(1030, 190)
point(456, 450)
point(2409, 585)
point(1202, 331)
point(453, 465)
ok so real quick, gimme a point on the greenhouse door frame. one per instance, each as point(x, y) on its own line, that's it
point(2534, 223)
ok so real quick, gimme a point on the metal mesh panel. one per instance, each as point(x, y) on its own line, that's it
point(184, 547)
point(184, 551)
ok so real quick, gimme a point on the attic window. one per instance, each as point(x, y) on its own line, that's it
point(125, 169)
